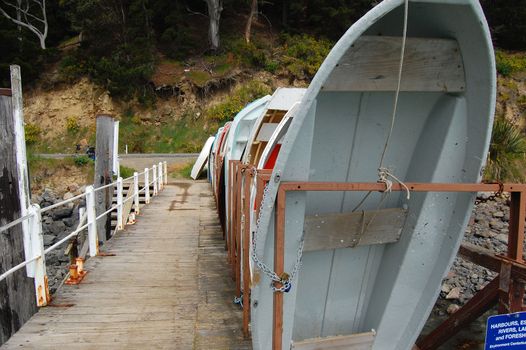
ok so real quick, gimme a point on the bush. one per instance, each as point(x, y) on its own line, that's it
point(32, 133)
point(231, 106)
point(508, 64)
point(82, 160)
point(72, 125)
point(506, 153)
point(126, 172)
point(304, 54)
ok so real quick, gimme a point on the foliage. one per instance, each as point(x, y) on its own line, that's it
point(227, 110)
point(32, 133)
point(82, 160)
point(508, 63)
point(126, 172)
point(303, 54)
point(507, 152)
point(72, 124)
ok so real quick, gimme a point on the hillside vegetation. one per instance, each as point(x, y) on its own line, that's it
point(155, 67)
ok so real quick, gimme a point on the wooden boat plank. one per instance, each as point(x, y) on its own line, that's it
point(361, 341)
point(372, 64)
point(344, 230)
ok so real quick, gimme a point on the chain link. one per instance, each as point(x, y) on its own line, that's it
point(285, 280)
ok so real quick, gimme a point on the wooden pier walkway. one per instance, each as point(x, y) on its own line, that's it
point(167, 286)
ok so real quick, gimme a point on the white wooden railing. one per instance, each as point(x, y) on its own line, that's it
point(87, 220)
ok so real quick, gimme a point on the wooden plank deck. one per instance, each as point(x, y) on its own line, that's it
point(167, 287)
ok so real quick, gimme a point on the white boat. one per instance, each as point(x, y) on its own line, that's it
point(381, 292)
point(202, 159)
point(236, 142)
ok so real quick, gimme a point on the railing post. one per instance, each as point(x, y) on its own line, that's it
point(37, 249)
point(136, 191)
point(160, 170)
point(165, 177)
point(146, 186)
point(154, 180)
point(92, 222)
point(120, 224)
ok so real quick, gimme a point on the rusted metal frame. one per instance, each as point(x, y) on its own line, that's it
point(474, 308)
point(247, 184)
point(236, 238)
point(279, 262)
point(6, 92)
point(412, 186)
point(486, 258)
point(229, 209)
point(262, 177)
point(233, 208)
point(511, 291)
point(246, 254)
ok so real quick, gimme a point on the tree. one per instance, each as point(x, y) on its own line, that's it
point(253, 12)
point(215, 7)
point(30, 14)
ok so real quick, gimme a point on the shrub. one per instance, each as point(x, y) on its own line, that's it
point(508, 64)
point(506, 154)
point(32, 133)
point(125, 171)
point(231, 106)
point(82, 160)
point(303, 54)
point(72, 125)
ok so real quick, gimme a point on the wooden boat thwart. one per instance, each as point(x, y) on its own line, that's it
point(441, 133)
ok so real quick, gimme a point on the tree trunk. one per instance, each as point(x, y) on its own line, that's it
point(248, 28)
point(215, 7)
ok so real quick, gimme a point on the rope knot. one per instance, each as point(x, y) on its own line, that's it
point(383, 176)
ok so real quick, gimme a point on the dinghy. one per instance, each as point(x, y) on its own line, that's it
point(378, 290)
point(237, 141)
point(202, 159)
point(281, 102)
point(219, 175)
point(211, 158)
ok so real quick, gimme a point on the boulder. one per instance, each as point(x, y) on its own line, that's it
point(62, 213)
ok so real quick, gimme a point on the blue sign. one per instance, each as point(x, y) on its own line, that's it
point(506, 332)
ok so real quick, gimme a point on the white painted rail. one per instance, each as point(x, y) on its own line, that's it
point(36, 254)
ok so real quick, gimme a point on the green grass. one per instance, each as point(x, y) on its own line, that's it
point(126, 172)
point(199, 78)
point(510, 63)
point(181, 171)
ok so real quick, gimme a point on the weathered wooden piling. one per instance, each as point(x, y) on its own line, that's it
point(104, 173)
point(17, 292)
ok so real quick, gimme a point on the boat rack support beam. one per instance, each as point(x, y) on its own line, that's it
point(507, 288)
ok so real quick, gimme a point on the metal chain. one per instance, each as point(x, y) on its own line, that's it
point(285, 280)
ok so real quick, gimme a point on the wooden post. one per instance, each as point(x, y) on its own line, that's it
point(17, 292)
point(147, 186)
point(279, 262)
point(103, 173)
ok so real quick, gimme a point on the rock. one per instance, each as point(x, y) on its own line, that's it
point(62, 213)
point(48, 240)
point(57, 227)
point(451, 309)
point(453, 293)
point(498, 214)
point(69, 221)
point(484, 195)
point(502, 237)
point(446, 288)
point(73, 187)
point(49, 196)
point(496, 225)
point(68, 195)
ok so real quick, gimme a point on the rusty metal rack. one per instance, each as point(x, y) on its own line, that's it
point(506, 289)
